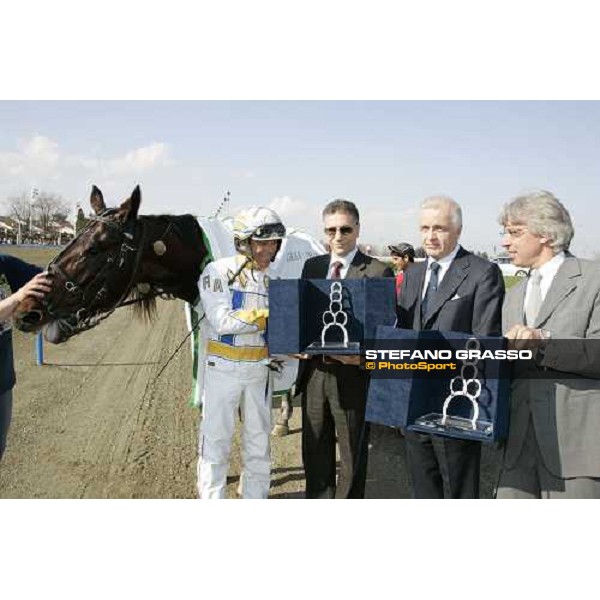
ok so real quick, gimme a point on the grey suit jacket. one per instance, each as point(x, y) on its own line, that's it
point(565, 411)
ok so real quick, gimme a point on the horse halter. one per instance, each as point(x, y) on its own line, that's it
point(97, 289)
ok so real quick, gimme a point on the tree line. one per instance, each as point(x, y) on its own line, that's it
point(40, 219)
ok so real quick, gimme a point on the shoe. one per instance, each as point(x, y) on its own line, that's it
point(280, 430)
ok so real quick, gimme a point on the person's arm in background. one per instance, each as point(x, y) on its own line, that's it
point(405, 306)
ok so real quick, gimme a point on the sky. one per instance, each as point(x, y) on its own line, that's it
point(295, 156)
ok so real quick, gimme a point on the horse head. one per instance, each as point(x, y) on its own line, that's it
point(117, 255)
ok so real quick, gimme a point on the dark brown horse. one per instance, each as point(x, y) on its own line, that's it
point(119, 258)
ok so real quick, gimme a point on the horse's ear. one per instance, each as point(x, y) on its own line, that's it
point(131, 206)
point(97, 201)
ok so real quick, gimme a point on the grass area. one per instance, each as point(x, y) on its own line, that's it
point(510, 280)
point(37, 255)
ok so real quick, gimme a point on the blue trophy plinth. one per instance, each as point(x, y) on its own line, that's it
point(301, 309)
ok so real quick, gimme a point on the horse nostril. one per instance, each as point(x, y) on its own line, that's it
point(33, 317)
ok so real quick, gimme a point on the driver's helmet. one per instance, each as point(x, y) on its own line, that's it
point(256, 223)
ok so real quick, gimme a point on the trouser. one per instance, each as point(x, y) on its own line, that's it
point(5, 417)
point(462, 460)
point(226, 385)
point(530, 479)
point(333, 405)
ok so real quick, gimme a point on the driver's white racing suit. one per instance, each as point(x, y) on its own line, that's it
point(235, 301)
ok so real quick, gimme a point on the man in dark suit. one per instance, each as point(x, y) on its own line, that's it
point(453, 290)
point(334, 389)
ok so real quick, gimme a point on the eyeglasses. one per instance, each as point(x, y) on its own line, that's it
point(514, 232)
point(344, 230)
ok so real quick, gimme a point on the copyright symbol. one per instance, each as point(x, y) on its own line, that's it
point(370, 365)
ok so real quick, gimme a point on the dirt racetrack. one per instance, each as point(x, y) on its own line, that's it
point(94, 423)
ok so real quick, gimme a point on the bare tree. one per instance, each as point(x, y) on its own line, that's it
point(47, 212)
point(49, 208)
point(19, 208)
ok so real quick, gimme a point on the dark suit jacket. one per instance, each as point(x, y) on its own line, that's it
point(361, 266)
point(468, 300)
point(317, 267)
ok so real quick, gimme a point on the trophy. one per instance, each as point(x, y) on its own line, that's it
point(334, 319)
point(328, 316)
point(467, 385)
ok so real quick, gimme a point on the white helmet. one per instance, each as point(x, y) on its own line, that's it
point(256, 223)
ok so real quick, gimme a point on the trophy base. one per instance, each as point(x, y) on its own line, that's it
point(432, 423)
point(333, 348)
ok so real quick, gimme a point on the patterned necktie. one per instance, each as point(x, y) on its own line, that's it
point(534, 299)
point(336, 269)
point(432, 287)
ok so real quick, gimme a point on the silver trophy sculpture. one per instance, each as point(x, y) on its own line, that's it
point(334, 319)
point(470, 387)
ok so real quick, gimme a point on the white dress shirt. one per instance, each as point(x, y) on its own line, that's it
point(444, 266)
point(345, 260)
point(547, 272)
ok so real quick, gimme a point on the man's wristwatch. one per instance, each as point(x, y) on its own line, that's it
point(545, 337)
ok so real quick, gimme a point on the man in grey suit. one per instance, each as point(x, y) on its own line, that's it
point(553, 446)
point(334, 388)
point(453, 290)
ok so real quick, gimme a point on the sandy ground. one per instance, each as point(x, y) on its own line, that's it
point(94, 422)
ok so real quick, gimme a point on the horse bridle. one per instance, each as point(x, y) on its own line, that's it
point(82, 321)
point(85, 319)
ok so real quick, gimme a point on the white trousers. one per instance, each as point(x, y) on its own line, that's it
point(226, 385)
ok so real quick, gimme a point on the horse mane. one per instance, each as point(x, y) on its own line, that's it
point(144, 304)
point(144, 307)
point(187, 226)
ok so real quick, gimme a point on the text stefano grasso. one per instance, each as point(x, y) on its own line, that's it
point(449, 354)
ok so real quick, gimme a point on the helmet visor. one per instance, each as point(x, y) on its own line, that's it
point(269, 231)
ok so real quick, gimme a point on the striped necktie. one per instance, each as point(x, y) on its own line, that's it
point(431, 291)
point(336, 270)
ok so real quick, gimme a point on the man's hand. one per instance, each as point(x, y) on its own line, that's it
point(37, 287)
point(345, 359)
point(275, 364)
point(521, 337)
point(256, 316)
